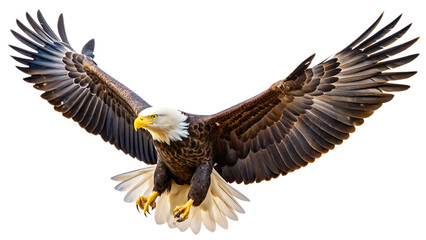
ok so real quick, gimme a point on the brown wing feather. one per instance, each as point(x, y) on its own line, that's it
point(305, 115)
point(77, 88)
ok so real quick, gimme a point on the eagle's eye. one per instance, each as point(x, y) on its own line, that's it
point(154, 116)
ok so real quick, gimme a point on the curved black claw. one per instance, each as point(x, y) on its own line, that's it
point(146, 212)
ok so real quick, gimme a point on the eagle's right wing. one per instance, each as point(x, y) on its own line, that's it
point(76, 87)
point(300, 118)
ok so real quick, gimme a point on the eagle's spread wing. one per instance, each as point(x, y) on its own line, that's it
point(77, 88)
point(305, 115)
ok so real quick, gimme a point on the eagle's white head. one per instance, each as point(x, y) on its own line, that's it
point(164, 124)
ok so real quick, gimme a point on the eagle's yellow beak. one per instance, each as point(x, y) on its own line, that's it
point(140, 122)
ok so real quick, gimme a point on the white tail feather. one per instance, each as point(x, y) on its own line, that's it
point(219, 204)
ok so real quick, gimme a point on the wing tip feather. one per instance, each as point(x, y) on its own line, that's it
point(365, 33)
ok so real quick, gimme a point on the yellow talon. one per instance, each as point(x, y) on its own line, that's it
point(182, 212)
point(145, 202)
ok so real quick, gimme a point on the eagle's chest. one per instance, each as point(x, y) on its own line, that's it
point(183, 157)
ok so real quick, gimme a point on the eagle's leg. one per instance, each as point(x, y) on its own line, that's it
point(161, 183)
point(200, 184)
point(182, 212)
point(146, 202)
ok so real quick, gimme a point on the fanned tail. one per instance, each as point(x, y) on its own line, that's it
point(220, 203)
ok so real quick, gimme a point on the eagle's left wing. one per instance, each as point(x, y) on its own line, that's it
point(79, 89)
point(305, 115)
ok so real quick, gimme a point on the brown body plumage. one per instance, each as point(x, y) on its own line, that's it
point(183, 157)
point(285, 127)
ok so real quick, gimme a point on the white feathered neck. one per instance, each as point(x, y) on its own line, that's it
point(170, 124)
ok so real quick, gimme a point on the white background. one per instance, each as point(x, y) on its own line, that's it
point(202, 57)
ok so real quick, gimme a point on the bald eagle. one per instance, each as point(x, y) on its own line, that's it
point(195, 157)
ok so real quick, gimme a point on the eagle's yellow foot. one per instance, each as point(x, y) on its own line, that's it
point(182, 212)
point(145, 202)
